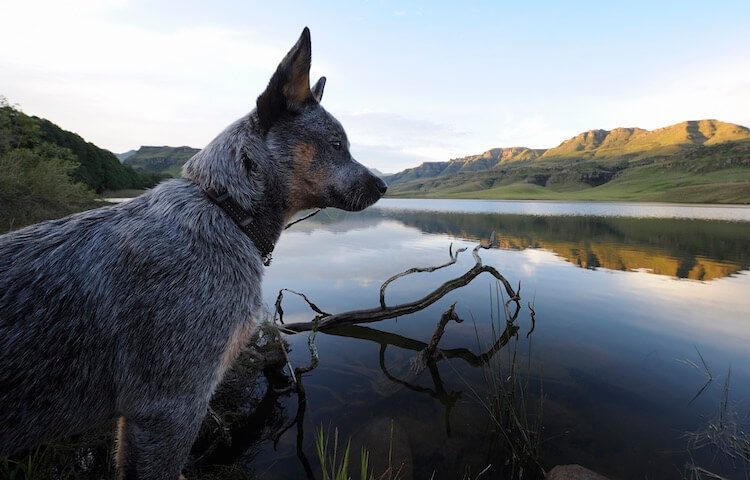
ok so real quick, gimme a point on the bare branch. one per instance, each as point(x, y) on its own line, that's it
point(312, 214)
point(453, 259)
point(428, 354)
point(279, 313)
point(485, 245)
point(379, 313)
point(533, 317)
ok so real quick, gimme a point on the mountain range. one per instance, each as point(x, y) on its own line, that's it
point(162, 160)
point(692, 161)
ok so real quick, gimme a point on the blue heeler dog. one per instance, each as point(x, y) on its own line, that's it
point(136, 311)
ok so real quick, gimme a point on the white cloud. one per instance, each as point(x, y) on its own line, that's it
point(88, 66)
point(121, 85)
point(392, 142)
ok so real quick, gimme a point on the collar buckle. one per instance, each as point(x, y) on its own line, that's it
point(267, 258)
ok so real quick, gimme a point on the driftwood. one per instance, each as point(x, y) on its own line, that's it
point(325, 321)
point(347, 324)
point(429, 352)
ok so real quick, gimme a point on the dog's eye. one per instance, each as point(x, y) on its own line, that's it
point(336, 144)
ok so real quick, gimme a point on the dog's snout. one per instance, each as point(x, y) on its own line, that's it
point(381, 185)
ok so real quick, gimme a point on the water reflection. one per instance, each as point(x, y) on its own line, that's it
point(615, 318)
point(693, 249)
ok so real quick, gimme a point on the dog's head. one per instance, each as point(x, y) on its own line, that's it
point(309, 142)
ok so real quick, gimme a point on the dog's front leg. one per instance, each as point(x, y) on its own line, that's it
point(154, 444)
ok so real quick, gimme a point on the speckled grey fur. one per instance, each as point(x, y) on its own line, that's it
point(128, 311)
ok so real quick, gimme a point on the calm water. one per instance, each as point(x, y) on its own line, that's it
point(623, 304)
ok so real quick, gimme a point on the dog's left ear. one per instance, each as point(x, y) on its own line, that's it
point(289, 88)
point(317, 89)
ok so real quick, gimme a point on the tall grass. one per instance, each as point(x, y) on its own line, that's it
point(506, 399)
point(335, 463)
point(724, 438)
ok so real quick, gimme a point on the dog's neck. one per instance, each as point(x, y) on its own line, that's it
point(247, 173)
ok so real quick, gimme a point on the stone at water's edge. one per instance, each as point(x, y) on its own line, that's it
point(572, 472)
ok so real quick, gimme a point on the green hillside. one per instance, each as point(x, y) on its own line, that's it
point(47, 172)
point(160, 160)
point(99, 169)
point(694, 161)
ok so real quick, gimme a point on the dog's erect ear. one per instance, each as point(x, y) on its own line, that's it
point(289, 88)
point(317, 89)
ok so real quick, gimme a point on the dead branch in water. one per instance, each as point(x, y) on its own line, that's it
point(430, 351)
point(324, 321)
point(453, 259)
point(271, 355)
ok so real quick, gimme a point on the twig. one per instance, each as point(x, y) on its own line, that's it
point(279, 313)
point(428, 354)
point(453, 259)
point(533, 319)
point(312, 214)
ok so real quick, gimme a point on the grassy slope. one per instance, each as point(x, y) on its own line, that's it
point(722, 186)
point(693, 161)
point(713, 174)
point(650, 183)
point(160, 160)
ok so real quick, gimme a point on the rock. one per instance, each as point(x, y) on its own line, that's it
point(572, 472)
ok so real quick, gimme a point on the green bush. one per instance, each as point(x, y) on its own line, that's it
point(36, 177)
point(35, 184)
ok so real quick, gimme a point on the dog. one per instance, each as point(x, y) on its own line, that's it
point(136, 311)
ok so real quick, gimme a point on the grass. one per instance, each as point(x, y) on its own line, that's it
point(335, 463)
point(723, 436)
point(507, 402)
point(82, 456)
point(646, 184)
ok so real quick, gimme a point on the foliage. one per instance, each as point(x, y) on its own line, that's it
point(47, 172)
point(97, 168)
point(35, 176)
point(334, 464)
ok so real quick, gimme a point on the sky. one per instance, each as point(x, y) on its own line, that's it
point(410, 81)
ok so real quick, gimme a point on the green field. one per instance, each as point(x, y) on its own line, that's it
point(646, 184)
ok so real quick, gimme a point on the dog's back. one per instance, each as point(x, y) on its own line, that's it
point(137, 310)
point(89, 306)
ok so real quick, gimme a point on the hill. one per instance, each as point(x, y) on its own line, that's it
point(380, 174)
point(692, 161)
point(47, 172)
point(98, 168)
point(95, 167)
point(160, 160)
point(125, 155)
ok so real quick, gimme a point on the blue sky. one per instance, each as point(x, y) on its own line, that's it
point(411, 81)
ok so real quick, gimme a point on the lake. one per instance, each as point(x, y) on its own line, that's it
point(641, 313)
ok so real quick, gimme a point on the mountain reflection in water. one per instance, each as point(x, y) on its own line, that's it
point(682, 248)
point(622, 305)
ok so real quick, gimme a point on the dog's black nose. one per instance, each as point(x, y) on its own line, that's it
point(382, 186)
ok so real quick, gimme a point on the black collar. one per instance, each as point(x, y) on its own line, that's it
point(244, 219)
